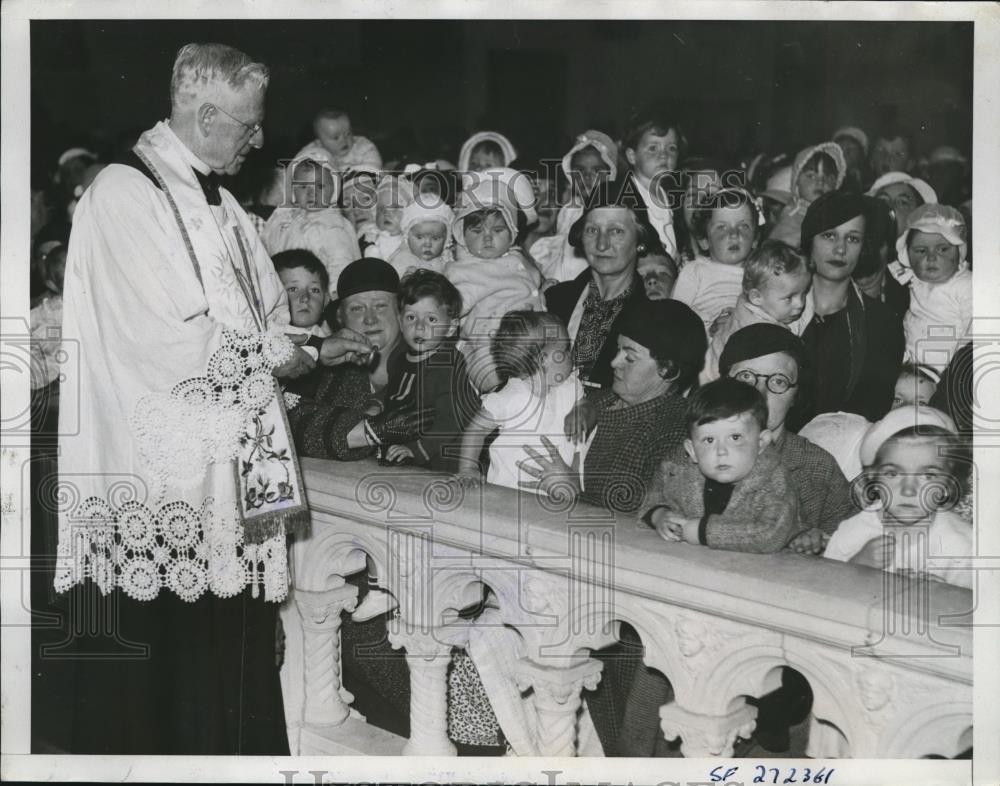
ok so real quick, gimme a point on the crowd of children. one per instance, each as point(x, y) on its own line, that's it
point(468, 252)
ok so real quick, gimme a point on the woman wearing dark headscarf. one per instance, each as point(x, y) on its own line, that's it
point(853, 344)
point(661, 346)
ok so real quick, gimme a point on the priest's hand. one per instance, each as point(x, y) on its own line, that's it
point(298, 364)
point(345, 346)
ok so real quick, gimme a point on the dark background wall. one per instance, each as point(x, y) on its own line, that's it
point(417, 87)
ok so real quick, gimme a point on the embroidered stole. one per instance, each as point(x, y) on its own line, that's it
point(271, 498)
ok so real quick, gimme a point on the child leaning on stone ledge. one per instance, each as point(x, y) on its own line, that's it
point(914, 467)
point(733, 492)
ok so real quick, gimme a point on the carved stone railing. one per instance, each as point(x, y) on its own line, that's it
point(889, 660)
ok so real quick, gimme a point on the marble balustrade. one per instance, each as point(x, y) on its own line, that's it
point(889, 660)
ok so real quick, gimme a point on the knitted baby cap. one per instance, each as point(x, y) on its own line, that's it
point(517, 186)
point(426, 207)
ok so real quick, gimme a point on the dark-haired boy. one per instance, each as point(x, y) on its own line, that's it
point(307, 285)
point(733, 493)
point(431, 373)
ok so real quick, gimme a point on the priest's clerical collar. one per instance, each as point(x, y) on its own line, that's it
point(196, 163)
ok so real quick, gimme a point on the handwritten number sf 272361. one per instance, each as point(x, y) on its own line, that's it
point(775, 775)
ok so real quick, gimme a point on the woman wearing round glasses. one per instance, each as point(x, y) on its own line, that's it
point(769, 357)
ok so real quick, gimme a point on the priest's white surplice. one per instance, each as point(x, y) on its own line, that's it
point(175, 366)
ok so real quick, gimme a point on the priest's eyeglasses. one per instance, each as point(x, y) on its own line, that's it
point(776, 383)
point(252, 130)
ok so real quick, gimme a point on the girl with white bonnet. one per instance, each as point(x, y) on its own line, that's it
point(910, 485)
point(485, 150)
point(426, 228)
point(593, 158)
point(817, 170)
point(491, 273)
point(932, 262)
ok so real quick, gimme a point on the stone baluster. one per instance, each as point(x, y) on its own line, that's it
point(706, 736)
point(557, 700)
point(428, 654)
point(320, 612)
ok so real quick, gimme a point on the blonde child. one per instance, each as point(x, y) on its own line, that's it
point(913, 480)
point(337, 147)
point(776, 279)
point(313, 222)
point(932, 263)
point(728, 229)
point(426, 225)
point(531, 350)
point(816, 171)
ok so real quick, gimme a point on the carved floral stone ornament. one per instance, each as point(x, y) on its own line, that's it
point(876, 689)
point(690, 636)
point(553, 606)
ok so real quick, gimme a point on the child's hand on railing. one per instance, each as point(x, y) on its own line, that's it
point(876, 553)
point(397, 453)
point(812, 541)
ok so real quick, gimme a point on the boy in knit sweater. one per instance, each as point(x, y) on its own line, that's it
point(431, 374)
point(733, 493)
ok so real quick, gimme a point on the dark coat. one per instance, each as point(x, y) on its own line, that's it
point(874, 348)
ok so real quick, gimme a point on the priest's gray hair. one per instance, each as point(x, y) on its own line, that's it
point(201, 69)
